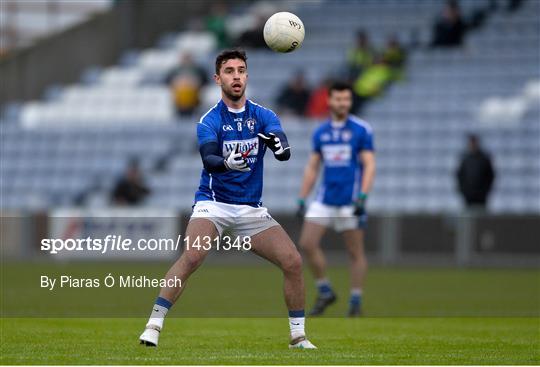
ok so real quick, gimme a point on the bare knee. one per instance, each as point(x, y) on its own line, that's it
point(358, 258)
point(307, 244)
point(192, 261)
point(292, 263)
point(303, 242)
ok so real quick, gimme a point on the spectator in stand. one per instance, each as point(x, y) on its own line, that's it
point(449, 30)
point(371, 83)
point(294, 96)
point(130, 189)
point(185, 82)
point(513, 5)
point(361, 56)
point(216, 23)
point(475, 175)
point(317, 106)
point(395, 56)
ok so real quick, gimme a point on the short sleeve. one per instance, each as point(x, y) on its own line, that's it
point(206, 133)
point(271, 122)
point(316, 142)
point(367, 141)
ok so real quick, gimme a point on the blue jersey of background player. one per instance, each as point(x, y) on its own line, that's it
point(344, 147)
point(230, 130)
point(340, 145)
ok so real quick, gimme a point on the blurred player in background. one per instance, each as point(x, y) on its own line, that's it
point(344, 146)
point(233, 137)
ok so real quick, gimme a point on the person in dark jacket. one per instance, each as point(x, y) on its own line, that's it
point(131, 188)
point(294, 97)
point(475, 174)
point(449, 30)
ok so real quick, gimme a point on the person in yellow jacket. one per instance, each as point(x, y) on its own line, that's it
point(361, 56)
point(371, 83)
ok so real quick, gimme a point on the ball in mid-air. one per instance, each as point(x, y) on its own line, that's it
point(284, 32)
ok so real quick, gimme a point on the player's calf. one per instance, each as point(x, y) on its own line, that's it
point(275, 245)
point(191, 259)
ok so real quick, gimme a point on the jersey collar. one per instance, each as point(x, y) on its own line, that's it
point(235, 110)
point(338, 125)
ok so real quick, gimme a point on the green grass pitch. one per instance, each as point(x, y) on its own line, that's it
point(414, 316)
point(264, 341)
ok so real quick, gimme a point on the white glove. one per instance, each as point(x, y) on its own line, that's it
point(236, 161)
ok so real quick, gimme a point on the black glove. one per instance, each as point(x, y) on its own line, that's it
point(301, 211)
point(274, 143)
point(360, 204)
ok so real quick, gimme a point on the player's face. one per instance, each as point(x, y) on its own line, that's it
point(340, 102)
point(232, 78)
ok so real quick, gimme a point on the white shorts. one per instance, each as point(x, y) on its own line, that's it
point(240, 220)
point(339, 218)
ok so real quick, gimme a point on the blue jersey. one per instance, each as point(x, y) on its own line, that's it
point(228, 127)
point(339, 147)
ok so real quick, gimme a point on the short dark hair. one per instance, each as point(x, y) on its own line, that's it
point(230, 54)
point(339, 86)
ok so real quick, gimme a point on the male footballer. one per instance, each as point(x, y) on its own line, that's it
point(233, 137)
point(344, 147)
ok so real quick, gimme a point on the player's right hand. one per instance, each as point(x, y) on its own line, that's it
point(236, 161)
point(360, 204)
point(301, 211)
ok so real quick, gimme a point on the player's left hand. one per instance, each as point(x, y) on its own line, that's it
point(301, 210)
point(360, 204)
point(273, 143)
